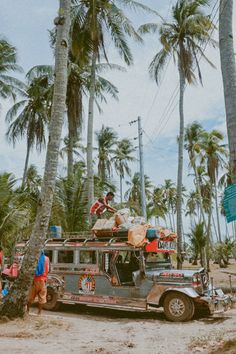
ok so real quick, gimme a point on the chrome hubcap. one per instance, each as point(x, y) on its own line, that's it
point(176, 307)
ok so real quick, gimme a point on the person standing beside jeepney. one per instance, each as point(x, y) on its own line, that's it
point(39, 287)
point(101, 205)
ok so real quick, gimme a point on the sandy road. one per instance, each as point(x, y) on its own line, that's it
point(88, 330)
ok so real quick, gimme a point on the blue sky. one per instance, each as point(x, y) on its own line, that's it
point(25, 23)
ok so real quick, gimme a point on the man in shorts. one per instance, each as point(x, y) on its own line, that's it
point(39, 288)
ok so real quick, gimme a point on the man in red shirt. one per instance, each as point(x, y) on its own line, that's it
point(39, 287)
point(101, 205)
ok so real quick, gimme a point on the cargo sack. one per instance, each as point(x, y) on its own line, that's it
point(138, 220)
point(137, 235)
point(104, 227)
point(122, 216)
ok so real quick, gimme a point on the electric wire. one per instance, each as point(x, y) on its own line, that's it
point(166, 115)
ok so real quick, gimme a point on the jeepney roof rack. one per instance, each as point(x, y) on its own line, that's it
point(75, 239)
point(54, 240)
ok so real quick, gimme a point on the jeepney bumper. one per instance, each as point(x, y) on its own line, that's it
point(217, 301)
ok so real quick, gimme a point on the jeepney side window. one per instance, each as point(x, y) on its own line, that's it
point(65, 256)
point(106, 261)
point(48, 253)
point(87, 257)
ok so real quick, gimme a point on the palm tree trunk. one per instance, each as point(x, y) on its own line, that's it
point(217, 213)
point(121, 190)
point(171, 226)
point(214, 226)
point(173, 218)
point(70, 159)
point(208, 234)
point(228, 69)
point(198, 188)
point(90, 135)
point(26, 163)
point(14, 304)
point(226, 228)
point(180, 167)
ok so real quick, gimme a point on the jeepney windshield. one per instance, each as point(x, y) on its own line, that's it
point(153, 259)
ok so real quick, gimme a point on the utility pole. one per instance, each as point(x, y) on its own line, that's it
point(142, 183)
point(141, 167)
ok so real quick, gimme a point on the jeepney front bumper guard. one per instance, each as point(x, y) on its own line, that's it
point(217, 301)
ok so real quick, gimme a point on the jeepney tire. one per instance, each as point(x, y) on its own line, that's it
point(178, 307)
point(52, 304)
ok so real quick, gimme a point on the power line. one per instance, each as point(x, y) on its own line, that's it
point(166, 115)
point(159, 86)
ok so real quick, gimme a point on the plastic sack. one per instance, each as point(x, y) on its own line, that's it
point(125, 226)
point(124, 211)
point(138, 220)
point(137, 235)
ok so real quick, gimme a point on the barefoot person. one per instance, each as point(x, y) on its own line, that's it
point(39, 287)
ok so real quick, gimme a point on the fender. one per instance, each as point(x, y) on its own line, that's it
point(158, 292)
point(54, 281)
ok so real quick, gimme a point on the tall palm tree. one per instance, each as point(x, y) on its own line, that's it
point(193, 135)
point(182, 39)
point(97, 19)
point(169, 194)
point(157, 205)
point(228, 69)
point(106, 138)
point(122, 157)
point(14, 304)
point(213, 152)
point(192, 207)
point(28, 118)
point(9, 86)
point(77, 89)
point(133, 193)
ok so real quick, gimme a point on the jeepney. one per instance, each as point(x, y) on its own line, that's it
point(113, 274)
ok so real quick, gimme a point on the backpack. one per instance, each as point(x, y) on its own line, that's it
point(40, 267)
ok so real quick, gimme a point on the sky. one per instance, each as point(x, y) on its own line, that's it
point(25, 24)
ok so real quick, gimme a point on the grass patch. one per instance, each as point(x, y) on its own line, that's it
point(228, 347)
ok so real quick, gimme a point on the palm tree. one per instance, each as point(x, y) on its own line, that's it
point(213, 153)
point(122, 157)
point(192, 207)
point(228, 69)
point(197, 239)
point(182, 39)
point(193, 135)
point(169, 194)
point(106, 139)
point(78, 87)
point(157, 205)
point(13, 214)
point(97, 19)
point(69, 203)
point(133, 194)
point(29, 117)
point(9, 86)
point(14, 304)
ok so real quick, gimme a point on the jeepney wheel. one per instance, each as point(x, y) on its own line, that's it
point(178, 307)
point(52, 304)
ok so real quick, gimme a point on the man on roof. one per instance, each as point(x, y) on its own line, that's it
point(101, 205)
